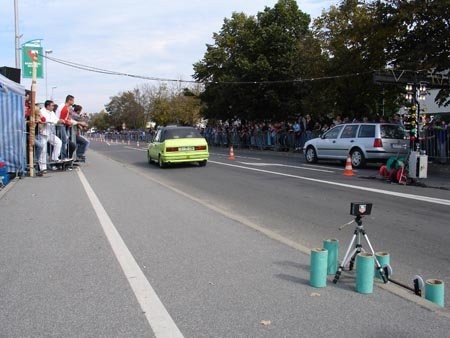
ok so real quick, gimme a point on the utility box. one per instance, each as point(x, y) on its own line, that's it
point(418, 165)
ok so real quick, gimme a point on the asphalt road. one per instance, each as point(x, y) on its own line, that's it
point(303, 204)
point(221, 246)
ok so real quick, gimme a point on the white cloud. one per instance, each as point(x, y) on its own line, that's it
point(148, 37)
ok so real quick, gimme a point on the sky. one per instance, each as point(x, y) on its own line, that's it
point(152, 38)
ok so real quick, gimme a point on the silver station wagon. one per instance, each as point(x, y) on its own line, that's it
point(364, 142)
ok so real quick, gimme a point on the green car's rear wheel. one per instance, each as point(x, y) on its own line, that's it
point(161, 162)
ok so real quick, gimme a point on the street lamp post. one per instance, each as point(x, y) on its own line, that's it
point(416, 92)
point(418, 160)
point(16, 34)
point(53, 88)
point(47, 51)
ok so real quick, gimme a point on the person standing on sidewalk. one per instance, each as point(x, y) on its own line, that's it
point(40, 144)
point(440, 129)
point(82, 142)
point(47, 133)
point(63, 114)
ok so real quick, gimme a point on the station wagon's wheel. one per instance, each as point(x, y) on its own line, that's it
point(160, 162)
point(311, 155)
point(358, 159)
point(149, 158)
point(202, 163)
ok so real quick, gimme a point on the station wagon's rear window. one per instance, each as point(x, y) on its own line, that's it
point(367, 131)
point(392, 131)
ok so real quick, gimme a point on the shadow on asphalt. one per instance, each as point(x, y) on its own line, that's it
point(154, 166)
point(293, 265)
point(293, 279)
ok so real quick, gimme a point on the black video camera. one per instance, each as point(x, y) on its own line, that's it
point(360, 208)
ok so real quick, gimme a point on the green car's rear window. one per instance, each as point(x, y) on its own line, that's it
point(176, 133)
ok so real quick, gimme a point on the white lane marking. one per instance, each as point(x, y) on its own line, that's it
point(284, 165)
point(319, 166)
point(132, 148)
point(379, 191)
point(157, 316)
point(237, 156)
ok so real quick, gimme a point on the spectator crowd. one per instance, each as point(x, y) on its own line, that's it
point(59, 139)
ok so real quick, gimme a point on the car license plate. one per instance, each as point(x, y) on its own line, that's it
point(186, 148)
point(398, 146)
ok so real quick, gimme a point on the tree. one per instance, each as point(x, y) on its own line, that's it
point(353, 39)
point(252, 69)
point(125, 108)
point(100, 121)
point(421, 41)
point(177, 108)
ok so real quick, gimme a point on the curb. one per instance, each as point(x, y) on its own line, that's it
point(8, 187)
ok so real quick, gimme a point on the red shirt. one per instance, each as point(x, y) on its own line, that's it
point(65, 115)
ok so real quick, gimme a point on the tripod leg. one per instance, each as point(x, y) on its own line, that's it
point(344, 261)
point(379, 267)
point(352, 260)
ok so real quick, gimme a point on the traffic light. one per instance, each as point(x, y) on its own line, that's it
point(410, 121)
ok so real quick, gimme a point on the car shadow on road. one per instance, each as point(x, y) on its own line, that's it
point(154, 166)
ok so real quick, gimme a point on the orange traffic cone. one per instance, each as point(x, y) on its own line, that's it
point(348, 171)
point(231, 156)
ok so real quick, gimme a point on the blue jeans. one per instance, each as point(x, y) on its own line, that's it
point(39, 144)
point(82, 145)
point(64, 136)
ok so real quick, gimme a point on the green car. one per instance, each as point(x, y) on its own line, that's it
point(175, 144)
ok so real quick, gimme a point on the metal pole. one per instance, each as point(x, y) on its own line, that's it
point(32, 119)
point(418, 126)
point(47, 51)
point(46, 80)
point(17, 36)
point(53, 88)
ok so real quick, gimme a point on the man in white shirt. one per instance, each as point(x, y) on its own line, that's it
point(47, 133)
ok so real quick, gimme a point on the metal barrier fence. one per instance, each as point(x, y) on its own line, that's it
point(435, 142)
point(124, 137)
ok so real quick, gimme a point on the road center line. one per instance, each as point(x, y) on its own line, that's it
point(157, 316)
point(284, 165)
point(379, 191)
point(132, 148)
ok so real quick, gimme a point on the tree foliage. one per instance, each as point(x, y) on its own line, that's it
point(125, 109)
point(354, 40)
point(255, 60)
point(420, 39)
point(100, 121)
point(176, 108)
point(162, 105)
point(274, 66)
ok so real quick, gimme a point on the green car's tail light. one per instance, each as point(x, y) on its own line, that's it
point(200, 148)
point(171, 149)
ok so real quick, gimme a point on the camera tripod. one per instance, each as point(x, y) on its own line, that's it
point(350, 258)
